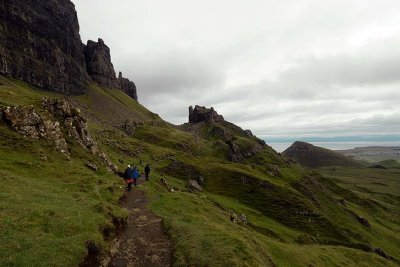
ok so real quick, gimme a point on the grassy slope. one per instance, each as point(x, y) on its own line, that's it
point(65, 205)
point(314, 156)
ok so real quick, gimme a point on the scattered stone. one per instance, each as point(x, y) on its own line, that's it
point(91, 166)
point(234, 152)
point(306, 239)
point(128, 127)
point(222, 133)
point(243, 218)
point(266, 185)
point(194, 186)
point(201, 179)
point(342, 202)
point(233, 217)
point(164, 183)
point(363, 221)
point(382, 253)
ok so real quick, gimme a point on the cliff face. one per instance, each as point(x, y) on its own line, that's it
point(127, 86)
point(98, 64)
point(101, 69)
point(40, 44)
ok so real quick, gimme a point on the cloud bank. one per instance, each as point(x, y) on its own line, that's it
point(278, 68)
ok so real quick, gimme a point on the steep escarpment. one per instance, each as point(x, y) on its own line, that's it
point(40, 44)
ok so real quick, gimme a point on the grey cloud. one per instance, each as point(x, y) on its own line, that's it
point(275, 67)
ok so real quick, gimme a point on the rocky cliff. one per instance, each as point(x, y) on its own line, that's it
point(98, 64)
point(40, 44)
point(203, 114)
point(101, 69)
point(127, 86)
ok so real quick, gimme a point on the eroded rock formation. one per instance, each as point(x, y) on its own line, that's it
point(127, 86)
point(98, 64)
point(101, 69)
point(59, 117)
point(203, 114)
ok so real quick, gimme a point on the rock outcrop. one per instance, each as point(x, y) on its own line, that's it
point(127, 86)
point(59, 117)
point(40, 44)
point(99, 65)
point(101, 69)
point(203, 114)
point(29, 123)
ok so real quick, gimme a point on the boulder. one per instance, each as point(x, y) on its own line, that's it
point(193, 186)
point(363, 221)
point(91, 166)
point(243, 218)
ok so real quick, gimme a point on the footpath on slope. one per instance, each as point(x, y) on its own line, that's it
point(142, 241)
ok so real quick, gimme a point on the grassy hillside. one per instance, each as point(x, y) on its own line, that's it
point(52, 209)
point(313, 156)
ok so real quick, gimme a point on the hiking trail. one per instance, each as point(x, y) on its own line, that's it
point(142, 241)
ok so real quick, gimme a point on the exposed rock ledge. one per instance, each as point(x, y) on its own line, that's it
point(60, 114)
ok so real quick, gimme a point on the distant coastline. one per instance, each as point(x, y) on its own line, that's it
point(280, 146)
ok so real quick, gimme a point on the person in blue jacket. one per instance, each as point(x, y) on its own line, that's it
point(128, 177)
point(136, 175)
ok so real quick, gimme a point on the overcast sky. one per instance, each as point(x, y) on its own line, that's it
point(279, 68)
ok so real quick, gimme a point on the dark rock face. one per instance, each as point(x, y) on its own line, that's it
point(127, 86)
point(98, 64)
point(101, 69)
point(40, 44)
point(202, 114)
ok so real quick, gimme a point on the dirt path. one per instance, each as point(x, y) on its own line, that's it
point(143, 241)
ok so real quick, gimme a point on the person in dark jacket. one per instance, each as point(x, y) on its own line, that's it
point(128, 177)
point(147, 171)
point(135, 175)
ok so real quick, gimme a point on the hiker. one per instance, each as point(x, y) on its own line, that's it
point(128, 177)
point(135, 175)
point(147, 171)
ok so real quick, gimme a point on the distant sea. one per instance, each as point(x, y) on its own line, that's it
point(338, 145)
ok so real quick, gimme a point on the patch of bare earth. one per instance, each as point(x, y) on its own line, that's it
point(142, 241)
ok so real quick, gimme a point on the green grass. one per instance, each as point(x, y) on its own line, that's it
point(51, 208)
